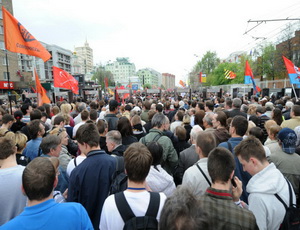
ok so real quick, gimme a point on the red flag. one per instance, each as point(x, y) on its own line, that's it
point(63, 79)
point(181, 83)
point(293, 71)
point(42, 96)
point(19, 40)
point(249, 77)
point(106, 82)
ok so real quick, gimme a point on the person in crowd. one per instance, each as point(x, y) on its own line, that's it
point(51, 147)
point(21, 141)
point(192, 112)
point(36, 131)
point(268, 125)
point(209, 107)
point(80, 108)
point(7, 122)
point(178, 120)
point(125, 128)
point(17, 126)
point(186, 123)
point(196, 177)
point(236, 106)
point(273, 143)
point(91, 187)
point(294, 121)
point(111, 118)
point(262, 119)
point(137, 128)
point(74, 163)
point(269, 106)
point(38, 180)
point(26, 110)
point(137, 160)
point(199, 115)
point(114, 143)
point(183, 210)
point(12, 200)
point(85, 116)
point(221, 199)
point(287, 110)
point(181, 144)
point(126, 112)
point(148, 125)
point(65, 109)
point(277, 116)
point(237, 130)
point(93, 115)
point(102, 129)
point(64, 155)
point(207, 122)
point(146, 108)
point(219, 124)
point(266, 181)
point(158, 179)
point(286, 160)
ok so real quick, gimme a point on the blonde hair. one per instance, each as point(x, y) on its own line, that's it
point(186, 119)
point(251, 124)
point(7, 134)
point(21, 140)
point(58, 132)
point(136, 119)
point(252, 109)
point(65, 108)
point(269, 123)
point(55, 109)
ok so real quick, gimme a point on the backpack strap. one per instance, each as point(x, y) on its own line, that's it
point(290, 193)
point(119, 164)
point(203, 174)
point(229, 146)
point(75, 163)
point(156, 138)
point(153, 204)
point(123, 207)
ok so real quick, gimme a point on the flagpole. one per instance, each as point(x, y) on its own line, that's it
point(294, 92)
point(37, 94)
point(8, 80)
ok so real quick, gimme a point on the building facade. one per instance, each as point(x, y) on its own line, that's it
point(12, 59)
point(121, 69)
point(86, 59)
point(168, 80)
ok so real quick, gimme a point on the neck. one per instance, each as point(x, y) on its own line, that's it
point(9, 162)
point(132, 184)
point(235, 135)
point(4, 126)
point(35, 202)
point(221, 185)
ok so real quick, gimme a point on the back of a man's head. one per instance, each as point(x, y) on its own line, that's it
point(296, 110)
point(250, 147)
point(34, 128)
point(183, 211)
point(50, 142)
point(85, 115)
point(88, 133)
point(240, 124)
point(220, 165)
point(158, 120)
point(114, 136)
point(7, 147)
point(137, 160)
point(35, 114)
point(58, 119)
point(38, 178)
point(206, 142)
point(236, 103)
point(7, 118)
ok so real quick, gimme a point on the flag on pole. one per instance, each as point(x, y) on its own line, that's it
point(202, 77)
point(18, 40)
point(42, 96)
point(293, 71)
point(62, 79)
point(249, 78)
point(182, 83)
point(229, 74)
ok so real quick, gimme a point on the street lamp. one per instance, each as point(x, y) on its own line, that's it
point(8, 80)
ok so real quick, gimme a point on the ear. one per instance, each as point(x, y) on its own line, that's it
point(253, 160)
point(55, 181)
point(23, 190)
point(232, 175)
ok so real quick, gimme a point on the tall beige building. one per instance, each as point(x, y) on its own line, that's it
point(12, 57)
point(85, 54)
point(168, 80)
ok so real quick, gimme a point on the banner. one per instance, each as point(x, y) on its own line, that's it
point(63, 79)
point(293, 71)
point(202, 77)
point(182, 83)
point(42, 96)
point(229, 74)
point(18, 40)
point(249, 76)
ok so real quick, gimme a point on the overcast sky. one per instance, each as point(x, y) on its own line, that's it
point(161, 34)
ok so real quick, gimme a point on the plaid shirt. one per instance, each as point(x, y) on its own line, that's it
point(224, 213)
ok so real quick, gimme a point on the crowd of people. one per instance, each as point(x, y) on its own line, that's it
point(216, 163)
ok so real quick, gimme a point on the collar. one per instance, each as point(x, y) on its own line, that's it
point(95, 152)
point(39, 208)
point(220, 194)
point(235, 139)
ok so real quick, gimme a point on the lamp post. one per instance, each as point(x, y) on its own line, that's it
point(8, 80)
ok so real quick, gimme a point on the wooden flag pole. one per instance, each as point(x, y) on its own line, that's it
point(8, 80)
point(294, 92)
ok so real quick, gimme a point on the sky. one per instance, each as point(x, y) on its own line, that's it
point(168, 36)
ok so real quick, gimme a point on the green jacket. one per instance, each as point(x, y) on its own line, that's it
point(170, 157)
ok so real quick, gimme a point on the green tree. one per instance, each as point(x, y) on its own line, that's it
point(99, 76)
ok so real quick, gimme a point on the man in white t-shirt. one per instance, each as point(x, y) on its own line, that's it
point(137, 159)
point(85, 115)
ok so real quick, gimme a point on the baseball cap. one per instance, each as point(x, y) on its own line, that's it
point(288, 140)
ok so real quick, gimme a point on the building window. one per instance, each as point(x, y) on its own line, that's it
point(1, 29)
point(0, 13)
point(4, 61)
point(2, 47)
point(5, 75)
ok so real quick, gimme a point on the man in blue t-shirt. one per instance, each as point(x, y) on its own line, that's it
point(39, 178)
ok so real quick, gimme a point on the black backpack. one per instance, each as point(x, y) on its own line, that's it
point(291, 219)
point(132, 222)
point(119, 178)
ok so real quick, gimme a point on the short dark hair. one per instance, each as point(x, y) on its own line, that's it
point(220, 164)
point(209, 104)
point(35, 114)
point(93, 114)
point(88, 133)
point(222, 118)
point(258, 133)
point(250, 147)
point(7, 118)
point(58, 119)
point(38, 178)
point(34, 128)
point(101, 125)
point(159, 108)
point(182, 211)
point(180, 115)
point(296, 110)
point(24, 108)
point(124, 127)
point(50, 142)
point(240, 124)
point(206, 142)
point(137, 160)
point(7, 147)
point(180, 132)
point(85, 115)
point(156, 151)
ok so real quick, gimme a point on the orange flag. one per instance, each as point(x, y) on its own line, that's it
point(18, 40)
point(182, 83)
point(42, 96)
point(62, 79)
